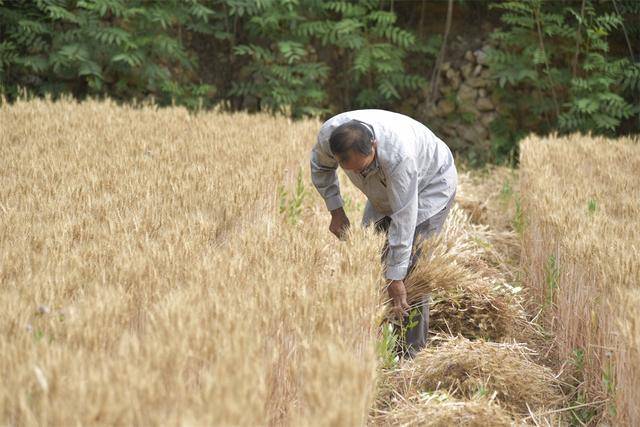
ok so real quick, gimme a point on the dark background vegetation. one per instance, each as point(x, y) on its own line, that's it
point(556, 66)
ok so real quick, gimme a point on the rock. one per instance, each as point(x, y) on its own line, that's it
point(477, 70)
point(477, 82)
point(445, 107)
point(481, 56)
point(466, 70)
point(466, 93)
point(43, 309)
point(486, 119)
point(485, 74)
point(482, 93)
point(455, 83)
point(449, 131)
point(495, 98)
point(445, 66)
point(406, 107)
point(469, 56)
point(446, 90)
point(452, 74)
point(469, 111)
point(480, 131)
point(467, 132)
point(484, 104)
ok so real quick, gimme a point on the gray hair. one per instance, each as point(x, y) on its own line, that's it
point(352, 135)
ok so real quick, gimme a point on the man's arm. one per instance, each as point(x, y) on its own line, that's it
point(325, 179)
point(402, 189)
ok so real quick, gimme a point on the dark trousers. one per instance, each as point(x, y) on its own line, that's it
point(416, 323)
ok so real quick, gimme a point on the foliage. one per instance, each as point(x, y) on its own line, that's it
point(281, 53)
point(375, 52)
point(102, 47)
point(555, 72)
point(297, 45)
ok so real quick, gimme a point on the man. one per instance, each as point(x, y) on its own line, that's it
point(410, 180)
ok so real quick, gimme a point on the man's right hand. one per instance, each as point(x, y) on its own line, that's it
point(339, 223)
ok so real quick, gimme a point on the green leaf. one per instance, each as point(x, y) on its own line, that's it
point(61, 14)
point(90, 68)
point(587, 105)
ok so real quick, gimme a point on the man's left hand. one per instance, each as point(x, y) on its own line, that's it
point(398, 293)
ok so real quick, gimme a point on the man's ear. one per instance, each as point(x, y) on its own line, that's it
point(374, 143)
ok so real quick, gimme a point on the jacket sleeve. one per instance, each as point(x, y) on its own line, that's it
point(324, 175)
point(402, 189)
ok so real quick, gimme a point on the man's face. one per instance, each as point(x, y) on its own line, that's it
point(356, 162)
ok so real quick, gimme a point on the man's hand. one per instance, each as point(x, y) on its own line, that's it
point(339, 223)
point(398, 293)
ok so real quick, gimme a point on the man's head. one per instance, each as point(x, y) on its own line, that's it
point(353, 145)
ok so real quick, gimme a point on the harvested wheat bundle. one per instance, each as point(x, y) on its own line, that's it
point(442, 263)
point(440, 409)
point(477, 311)
point(469, 296)
point(471, 368)
point(471, 245)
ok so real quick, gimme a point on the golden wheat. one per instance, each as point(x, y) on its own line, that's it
point(148, 276)
point(165, 268)
point(581, 198)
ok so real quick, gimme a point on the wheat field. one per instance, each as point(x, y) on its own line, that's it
point(148, 276)
point(160, 267)
point(581, 248)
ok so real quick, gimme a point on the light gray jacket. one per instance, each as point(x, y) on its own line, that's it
point(412, 178)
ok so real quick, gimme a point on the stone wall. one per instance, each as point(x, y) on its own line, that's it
point(465, 105)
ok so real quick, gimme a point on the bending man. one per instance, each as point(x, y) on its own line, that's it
point(410, 180)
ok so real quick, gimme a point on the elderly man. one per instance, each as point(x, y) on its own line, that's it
point(410, 180)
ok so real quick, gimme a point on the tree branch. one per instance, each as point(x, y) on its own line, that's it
point(431, 97)
point(546, 61)
point(624, 30)
point(574, 65)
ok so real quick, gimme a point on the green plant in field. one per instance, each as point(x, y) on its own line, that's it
point(518, 218)
point(351, 207)
point(507, 191)
point(394, 338)
point(290, 205)
point(584, 413)
point(386, 347)
point(552, 275)
point(412, 321)
point(481, 391)
point(608, 381)
point(38, 335)
point(592, 206)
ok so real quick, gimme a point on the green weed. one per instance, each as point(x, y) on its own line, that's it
point(386, 347)
point(290, 205)
point(552, 274)
point(518, 218)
